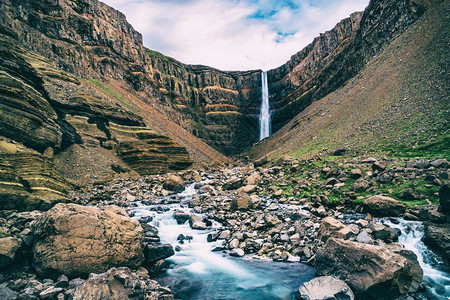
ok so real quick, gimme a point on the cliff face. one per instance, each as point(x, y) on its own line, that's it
point(58, 124)
point(222, 107)
point(92, 40)
point(336, 56)
point(397, 103)
point(82, 100)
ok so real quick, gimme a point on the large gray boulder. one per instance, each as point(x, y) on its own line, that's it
point(120, 284)
point(77, 240)
point(373, 272)
point(325, 288)
point(383, 206)
point(8, 249)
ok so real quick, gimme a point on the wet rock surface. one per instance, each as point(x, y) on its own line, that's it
point(373, 271)
point(325, 288)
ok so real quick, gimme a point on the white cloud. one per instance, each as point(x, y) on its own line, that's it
point(233, 34)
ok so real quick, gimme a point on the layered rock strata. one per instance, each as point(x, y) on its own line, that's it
point(336, 56)
point(57, 128)
point(92, 40)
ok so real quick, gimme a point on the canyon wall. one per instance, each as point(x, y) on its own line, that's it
point(92, 40)
point(336, 56)
point(82, 100)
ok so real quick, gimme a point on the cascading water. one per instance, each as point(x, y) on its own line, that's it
point(264, 116)
point(200, 273)
point(437, 282)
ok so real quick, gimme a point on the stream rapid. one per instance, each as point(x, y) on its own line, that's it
point(198, 272)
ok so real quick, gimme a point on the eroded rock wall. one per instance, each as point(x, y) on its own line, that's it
point(92, 40)
point(336, 56)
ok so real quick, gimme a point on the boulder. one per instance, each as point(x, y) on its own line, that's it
point(248, 189)
point(8, 249)
point(355, 173)
point(325, 288)
point(373, 272)
point(253, 179)
point(197, 222)
point(120, 284)
point(154, 253)
point(261, 161)
point(224, 235)
point(6, 293)
point(329, 227)
point(384, 233)
point(440, 163)
point(77, 240)
point(181, 216)
point(364, 237)
point(383, 206)
point(237, 252)
point(360, 185)
point(378, 166)
point(437, 237)
point(241, 202)
point(444, 198)
point(271, 221)
point(174, 183)
point(232, 184)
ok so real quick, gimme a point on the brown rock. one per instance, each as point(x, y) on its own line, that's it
point(329, 227)
point(174, 183)
point(360, 185)
point(372, 271)
point(384, 206)
point(8, 249)
point(241, 202)
point(120, 284)
point(232, 184)
point(355, 173)
point(253, 179)
point(378, 166)
point(77, 240)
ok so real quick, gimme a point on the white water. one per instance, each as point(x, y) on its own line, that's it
point(438, 282)
point(200, 273)
point(264, 116)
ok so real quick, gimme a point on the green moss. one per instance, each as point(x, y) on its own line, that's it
point(157, 54)
point(111, 92)
point(437, 147)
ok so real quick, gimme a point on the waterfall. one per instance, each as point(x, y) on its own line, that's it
point(264, 116)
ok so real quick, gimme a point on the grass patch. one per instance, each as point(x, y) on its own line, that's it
point(439, 147)
point(108, 90)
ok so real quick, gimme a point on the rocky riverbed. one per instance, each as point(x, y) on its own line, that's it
point(316, 211)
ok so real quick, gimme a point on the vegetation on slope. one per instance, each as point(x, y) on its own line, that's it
point(399, 103)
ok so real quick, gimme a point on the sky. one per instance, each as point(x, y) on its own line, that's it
point(233, 34)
